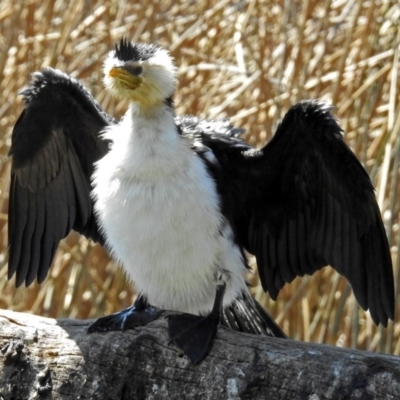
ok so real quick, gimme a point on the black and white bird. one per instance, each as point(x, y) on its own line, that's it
point(178, 201)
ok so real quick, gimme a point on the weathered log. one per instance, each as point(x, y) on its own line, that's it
point(43, 358)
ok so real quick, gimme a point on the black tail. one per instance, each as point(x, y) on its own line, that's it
point(247, 315)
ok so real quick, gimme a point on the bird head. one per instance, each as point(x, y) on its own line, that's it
point(141, 73)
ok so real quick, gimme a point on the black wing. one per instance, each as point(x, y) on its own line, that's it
point(304, 201)
point(54, 145)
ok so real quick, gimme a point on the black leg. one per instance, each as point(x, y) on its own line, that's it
point(139, 314)
point(195, 334)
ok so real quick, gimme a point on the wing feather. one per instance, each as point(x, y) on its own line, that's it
point(327, 194)
point(55, 142)
point(303, 202)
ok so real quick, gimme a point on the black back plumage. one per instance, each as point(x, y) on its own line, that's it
point(302, 202)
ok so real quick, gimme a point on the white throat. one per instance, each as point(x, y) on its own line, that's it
point(147, 144)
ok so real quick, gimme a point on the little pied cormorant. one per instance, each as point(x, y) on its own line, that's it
point(178, 200)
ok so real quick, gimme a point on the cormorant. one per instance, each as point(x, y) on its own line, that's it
point(178, 201)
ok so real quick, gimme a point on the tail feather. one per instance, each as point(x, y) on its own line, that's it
point(245, 314)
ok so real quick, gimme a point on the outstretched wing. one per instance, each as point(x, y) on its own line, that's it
point(54, 145)
point(304, 201)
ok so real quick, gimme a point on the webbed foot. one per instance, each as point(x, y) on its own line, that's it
point(194, 334)
point(139, 314)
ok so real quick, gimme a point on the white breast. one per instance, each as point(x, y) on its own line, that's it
point(160, 213)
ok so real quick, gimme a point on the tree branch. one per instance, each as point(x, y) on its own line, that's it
point(46, 358)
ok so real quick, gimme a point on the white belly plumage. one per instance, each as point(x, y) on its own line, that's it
point(160, 214)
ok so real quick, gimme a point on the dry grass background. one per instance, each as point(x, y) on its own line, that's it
point(246, 59)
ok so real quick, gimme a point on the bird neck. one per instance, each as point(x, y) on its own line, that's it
point(149, 143)
point(152, 123)
point(152, 110)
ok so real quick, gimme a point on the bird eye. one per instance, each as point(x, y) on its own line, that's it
point(136, 70)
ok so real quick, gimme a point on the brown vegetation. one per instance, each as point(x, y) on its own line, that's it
point(249, 60)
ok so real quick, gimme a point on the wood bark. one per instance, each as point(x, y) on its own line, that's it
point(43, 358)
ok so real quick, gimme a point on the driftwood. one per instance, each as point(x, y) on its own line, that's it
point(43, 358)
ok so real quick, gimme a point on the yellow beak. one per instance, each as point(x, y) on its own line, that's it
point(125, 77)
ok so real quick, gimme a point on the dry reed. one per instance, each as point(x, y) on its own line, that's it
point(249, 60)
